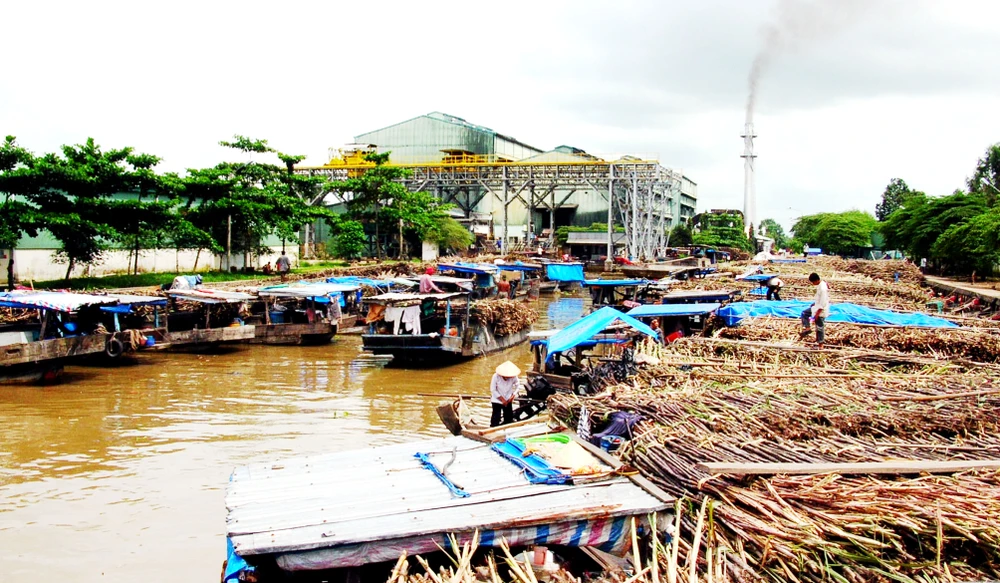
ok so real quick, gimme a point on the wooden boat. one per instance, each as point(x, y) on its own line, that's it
point(422, 335)
point(38, 350)
point(202, 329)
point(311, 315)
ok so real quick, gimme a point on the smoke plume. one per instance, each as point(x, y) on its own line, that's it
point(795, 23)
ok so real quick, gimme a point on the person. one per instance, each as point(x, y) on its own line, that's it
point(819, 310)
point(513, 288)
point(283, 265)
point(774, 286)
point(503, 388)
point(267, 269)
point(427, 284)
point(923, 265)
point(503, 287)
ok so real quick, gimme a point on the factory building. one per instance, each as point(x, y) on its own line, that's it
point(505, 187)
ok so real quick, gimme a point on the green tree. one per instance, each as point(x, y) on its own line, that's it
point(75, 191)
point(805, 228)
point(721, 230)
point(916, 225)
point(451, 234)
point(242, 203)
point(892, 198)
point(775, 231)
point(986, 178)
point(680, 235)
point(19, 216)
point(842, 233)
point(349, 240)
point(378, 197)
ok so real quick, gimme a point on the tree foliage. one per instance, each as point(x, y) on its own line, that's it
point(839, 233)
point(895, 193)
point(349, 240)
point(19, 216)
point(985, 180)
point(379, 198)
point(721, 230)
point(775, 231)
point(916, 225)
point(681, 235)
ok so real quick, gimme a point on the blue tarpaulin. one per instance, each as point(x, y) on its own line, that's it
point(788, 260)
point(657, 310)
point(536, 468)
point(584, 330)
point(564, 271)
point(235, 565)
point(852, 313)
point(614, 282)
point(517, 267)
point(759, 277)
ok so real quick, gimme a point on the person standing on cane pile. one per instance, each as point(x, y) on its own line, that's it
point(774, 286)
point(503, 388)
point(819, 310)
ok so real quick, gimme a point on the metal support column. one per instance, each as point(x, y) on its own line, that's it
point(506, 203)
point(634, 250)
point(610, 261)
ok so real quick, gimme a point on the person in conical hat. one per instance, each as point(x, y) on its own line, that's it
point(503, 388)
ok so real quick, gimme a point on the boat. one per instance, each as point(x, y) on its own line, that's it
point(525, 276)
point(624, 293)
point(561, 275)
point(699, 296)
point(431, 328)
point(213, 320)
point(310, 313)
point(65, 329)
point(324, 517)
point(558, 355)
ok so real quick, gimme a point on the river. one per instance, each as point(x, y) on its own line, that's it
point(119, 474)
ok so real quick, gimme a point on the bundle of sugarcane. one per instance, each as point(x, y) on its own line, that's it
point(968, 343)
point(819, 527)
point(14, 316)
point(506, 316)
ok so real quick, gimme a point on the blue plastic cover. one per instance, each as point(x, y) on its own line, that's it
point(536, 468)
point(351, 280)
point(517, 267)
point(614, 282)
point(760, 277)
point(657, 310)
point(235, 565)
point(584, 330)
point(852, 313)
point(788, 261)
point(564, 271)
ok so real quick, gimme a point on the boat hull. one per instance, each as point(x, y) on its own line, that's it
point(427, 349)
point(43, 360)
point(206, 338)
point(302, 334)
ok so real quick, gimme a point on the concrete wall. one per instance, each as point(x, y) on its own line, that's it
point(38, 264)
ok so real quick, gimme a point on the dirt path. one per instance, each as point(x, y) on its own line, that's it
point(982, 290)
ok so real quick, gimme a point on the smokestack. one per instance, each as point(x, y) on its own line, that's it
point(749, 185)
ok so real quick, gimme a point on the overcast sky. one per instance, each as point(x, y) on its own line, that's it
point(858, 92)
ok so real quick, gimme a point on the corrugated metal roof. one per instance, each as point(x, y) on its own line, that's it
point(385, 493)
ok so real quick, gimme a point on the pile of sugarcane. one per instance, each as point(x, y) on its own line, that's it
point(506, 316)
point(981, 345)
point(760, 404)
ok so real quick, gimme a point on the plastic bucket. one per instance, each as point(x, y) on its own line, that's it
point(277, 317)
point(611, 442)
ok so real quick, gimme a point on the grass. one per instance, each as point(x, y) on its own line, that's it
point(141, 280)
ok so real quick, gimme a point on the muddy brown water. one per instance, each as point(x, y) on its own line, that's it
point(119, 474)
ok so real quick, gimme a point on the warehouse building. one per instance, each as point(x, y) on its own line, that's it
point(526, 192)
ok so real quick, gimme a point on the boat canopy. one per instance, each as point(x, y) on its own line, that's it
point(132, 300)
point(614, 282)
point(518, 267)
point(657, 310)
point(758, 277)
point(585, 329)
point(55, 301)
point(305, 290)
point(206, 296)
point(564, 271)
point(476, 268)
point(392, 297)
point(359, 281)
point(352, 508)
point(461, 282)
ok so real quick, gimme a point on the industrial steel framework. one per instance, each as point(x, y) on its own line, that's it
point(644, 195)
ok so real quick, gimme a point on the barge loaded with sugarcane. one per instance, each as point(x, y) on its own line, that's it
point(439, 328)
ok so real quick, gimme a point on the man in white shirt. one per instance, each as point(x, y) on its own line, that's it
point(503, 388)
point(819, 310)
point(774, 286)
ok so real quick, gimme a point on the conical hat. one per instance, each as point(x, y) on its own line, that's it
point(508, 369)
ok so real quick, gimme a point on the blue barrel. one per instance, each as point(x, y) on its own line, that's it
point(277, 317)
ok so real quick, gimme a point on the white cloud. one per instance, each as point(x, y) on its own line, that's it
point(906, 90)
